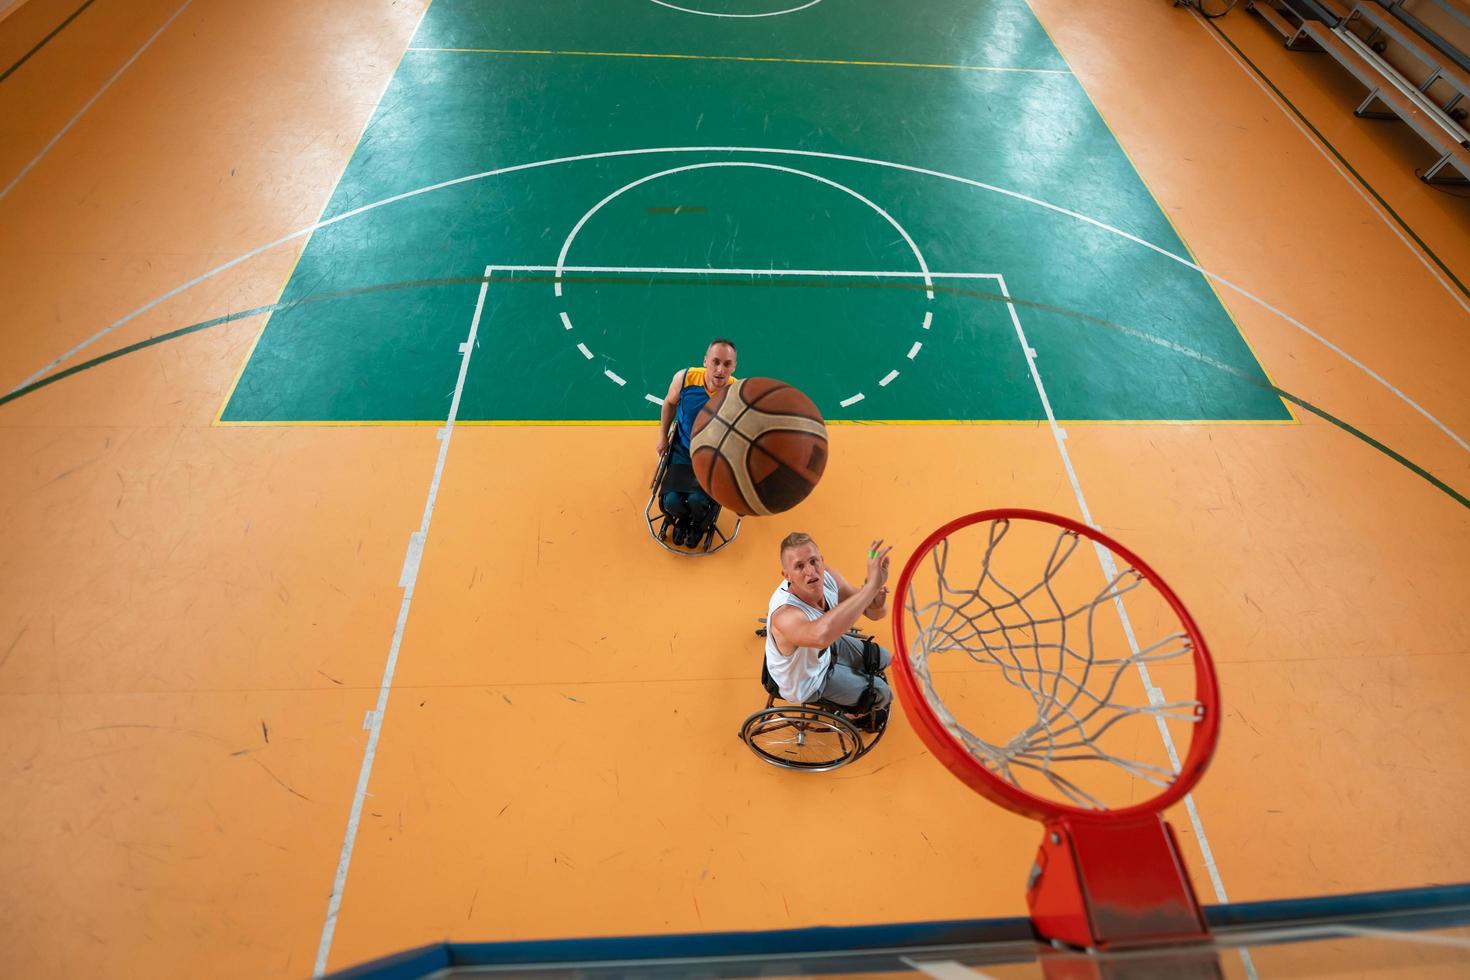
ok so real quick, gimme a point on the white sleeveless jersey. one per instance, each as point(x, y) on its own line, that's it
point(800, 675)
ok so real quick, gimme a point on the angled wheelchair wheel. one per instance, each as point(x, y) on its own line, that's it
point(804, 738)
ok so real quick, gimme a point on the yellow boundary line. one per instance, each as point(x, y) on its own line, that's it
point(1293, 420)
point(250, 354)
point(746, 58)
point(219, 415)
point(1167, 217)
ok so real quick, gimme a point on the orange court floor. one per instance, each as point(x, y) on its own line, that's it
point(196, 618)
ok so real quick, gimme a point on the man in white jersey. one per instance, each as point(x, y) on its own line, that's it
point(809, 652)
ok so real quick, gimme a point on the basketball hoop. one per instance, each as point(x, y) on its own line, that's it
point(1077, 735)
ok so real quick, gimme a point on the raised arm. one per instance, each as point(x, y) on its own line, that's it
point(792, 629)
point(876, 609)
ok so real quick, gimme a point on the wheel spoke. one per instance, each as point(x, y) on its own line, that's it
point(802, 738)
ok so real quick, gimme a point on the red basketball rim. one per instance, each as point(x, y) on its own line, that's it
point(958, 760)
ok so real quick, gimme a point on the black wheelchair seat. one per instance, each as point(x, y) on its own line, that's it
point(707, 536)
point(680, 479)
point(859, 711)
point(768, 682)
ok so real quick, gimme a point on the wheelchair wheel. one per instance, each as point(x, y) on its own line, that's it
point(802, 738)
point(873, 737)
point(711, 540)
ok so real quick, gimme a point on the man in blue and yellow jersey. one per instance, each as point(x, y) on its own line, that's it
point(689, 391)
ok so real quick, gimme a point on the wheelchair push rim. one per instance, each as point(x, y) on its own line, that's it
point(802, 738)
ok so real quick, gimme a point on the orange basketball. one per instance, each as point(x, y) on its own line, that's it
point(759, 446)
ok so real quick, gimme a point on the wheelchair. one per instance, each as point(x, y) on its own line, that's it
point(709, 536)
point(817, 736)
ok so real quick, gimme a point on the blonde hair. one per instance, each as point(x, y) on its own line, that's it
point(794, 540)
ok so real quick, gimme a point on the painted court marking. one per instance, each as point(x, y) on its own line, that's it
point(408, 581)
point(83, 110)
point(1105, 558)
point(707, 13)
point(373, 721)
point(749, 58)
point(409, 574)
point(927, 275)
point(810, 154)
point(743, 165)
point(1372, 204)
point(747, 165)
point(944, 969)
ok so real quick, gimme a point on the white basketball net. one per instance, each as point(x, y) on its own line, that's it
point(1050, 649)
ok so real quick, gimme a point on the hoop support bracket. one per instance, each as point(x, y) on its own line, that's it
point(1108, 884)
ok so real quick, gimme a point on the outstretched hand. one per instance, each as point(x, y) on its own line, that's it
point(878, 563)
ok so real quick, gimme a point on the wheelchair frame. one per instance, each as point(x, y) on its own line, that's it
point(795, 725)
point(660, 522)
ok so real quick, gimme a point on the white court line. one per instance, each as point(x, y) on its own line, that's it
point(82, 111)
point(1377, 209)
point(925, 274)
point(814, 154)
point(671, 56)
point(922, 273)
point(1059, 435)
point(409, 582)
point(701, 270)
point(743, 165)
point(944, 969)
point(1271, 935)
point(1398, 935)
point(707, 13)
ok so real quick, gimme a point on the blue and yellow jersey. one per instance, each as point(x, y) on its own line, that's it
point(692, 397)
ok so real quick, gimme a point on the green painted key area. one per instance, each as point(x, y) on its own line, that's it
point(738, 190)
